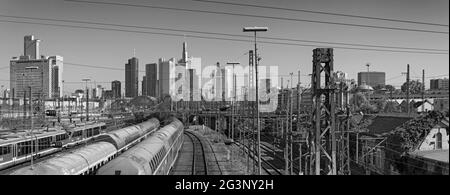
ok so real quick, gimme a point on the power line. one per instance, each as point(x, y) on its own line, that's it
point(219, 38)
point(217, 33)
point(322, 12)
point(259, 16)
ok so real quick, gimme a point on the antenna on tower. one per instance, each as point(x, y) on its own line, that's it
point(134, 52)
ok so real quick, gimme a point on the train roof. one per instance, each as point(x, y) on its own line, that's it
point(7, 137)
point(70, 163)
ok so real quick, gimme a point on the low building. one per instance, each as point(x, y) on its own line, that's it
point(382, 151)
point(432, 153)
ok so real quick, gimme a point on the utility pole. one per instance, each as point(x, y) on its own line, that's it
point(31, 68)
point(324, 125)
point(298, 126)
point(87, 100)
point(285, 133)
point(257, 29)
point(423, 90)
point(407, 90)
point(234, 99)
point(291, 109)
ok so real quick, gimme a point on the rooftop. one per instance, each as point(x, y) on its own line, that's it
point(385, 124)
point(438, 155)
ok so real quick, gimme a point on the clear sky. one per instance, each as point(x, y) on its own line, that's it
point(112, 48)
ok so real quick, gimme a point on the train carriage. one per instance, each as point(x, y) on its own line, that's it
point(78, 162)
point(153, 156)
point(18, 147)
point(88, 159)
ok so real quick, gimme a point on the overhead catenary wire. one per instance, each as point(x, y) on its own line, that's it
point(218, 33)
point(220, 38)
point(322, 12)
point(258, 16)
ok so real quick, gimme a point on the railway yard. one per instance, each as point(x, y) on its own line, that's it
point(166, 147)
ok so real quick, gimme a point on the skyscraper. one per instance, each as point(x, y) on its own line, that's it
point(31, 47)
point(132, 78)
point(166, 76)
point(151, 78)
point(41, 76)
point(57, 66)
point(116, 89)
point(144, 86)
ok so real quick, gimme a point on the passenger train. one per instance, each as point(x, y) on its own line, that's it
point(88, 159)
point(18, 147)
point(153, 156)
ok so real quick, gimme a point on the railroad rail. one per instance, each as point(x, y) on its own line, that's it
point(199, 160)
point(265, 165)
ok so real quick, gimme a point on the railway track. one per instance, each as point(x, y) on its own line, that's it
point(199, 161)
point(268, 167)
point(277, 160)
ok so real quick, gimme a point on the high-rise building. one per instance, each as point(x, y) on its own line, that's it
point(439, 84)
point(116, 89)
point(97, 92)
point(43, 75)
point(166, 76)
point(31, 47)
point(57, 66)
point(195, 65)
point(132, 78)
point(192, 82)
point(180, 78)
point(151, 74)
point(372, 78)
point(144, 86)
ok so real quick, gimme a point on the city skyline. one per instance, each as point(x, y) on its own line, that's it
point(110, 49)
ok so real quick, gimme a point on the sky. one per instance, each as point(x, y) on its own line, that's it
point(113, 49)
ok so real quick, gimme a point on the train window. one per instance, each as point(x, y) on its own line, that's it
point(5, 150)
point(153, 164)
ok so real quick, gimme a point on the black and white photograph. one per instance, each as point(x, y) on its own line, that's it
point(243, 90)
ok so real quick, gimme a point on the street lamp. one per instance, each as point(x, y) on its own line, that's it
point(254, 30)
point(31, 68)
point(87, 100)
point(234, 99)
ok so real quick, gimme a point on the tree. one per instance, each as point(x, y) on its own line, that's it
point(415, 87)
point(389, 88)
point(378, 87)
point(361, 103)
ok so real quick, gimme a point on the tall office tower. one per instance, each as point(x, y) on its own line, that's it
point(151, 74)
point(97, 92)
point(166, 76)
point(132, 78)
point(40, 75)
point(157, 88)
point(193, 85)
point(184, 55)
point(116, 89)
point(266, 85)
point(31, 47)
point(195, 64)
point(220, 85)
point(144, 86)
point(372, 78)
point(57, 66)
